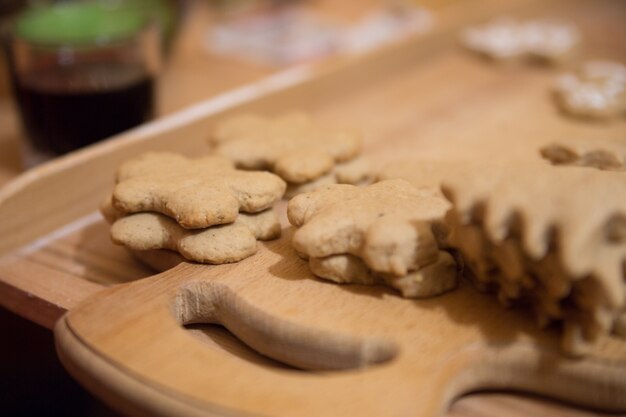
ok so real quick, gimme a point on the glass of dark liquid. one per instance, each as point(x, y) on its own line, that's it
point(81, 72)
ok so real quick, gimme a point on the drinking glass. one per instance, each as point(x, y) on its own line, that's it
point(81, 72)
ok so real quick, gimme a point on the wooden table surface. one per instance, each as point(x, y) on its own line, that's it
point(192, 74)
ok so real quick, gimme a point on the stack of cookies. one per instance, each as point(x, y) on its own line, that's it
point(306, 156)
point(526, 230)
point(203, 209)
point(379, 234)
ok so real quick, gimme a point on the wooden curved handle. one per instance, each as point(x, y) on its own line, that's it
point(296, 345)
point(129, 342)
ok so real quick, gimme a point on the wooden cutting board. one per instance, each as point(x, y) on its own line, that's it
point(366, 350)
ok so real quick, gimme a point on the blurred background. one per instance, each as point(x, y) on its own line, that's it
point(88, 58)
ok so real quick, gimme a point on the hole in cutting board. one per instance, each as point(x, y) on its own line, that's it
point(201, 304)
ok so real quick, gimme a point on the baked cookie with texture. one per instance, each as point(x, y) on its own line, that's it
point(381, 233)
point(197, 193)
point(430, 280)
point(290, 145)
point(596, 90)
point(607, 154)
point(145, 164)
point(214, 245)
point(159, 242)
point(427, 172)
point(387, 224)
point(550, 236)
point(358, 171)
point(507, 39)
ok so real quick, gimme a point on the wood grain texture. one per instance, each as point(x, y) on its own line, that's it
point(360, 341)
point(420, 98)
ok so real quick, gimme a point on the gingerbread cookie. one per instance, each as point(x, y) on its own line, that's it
point(146, 164)
point(381, 233)
point(387, 224)
point(321, 182)
point(356, 172)
point(289, 145)
point(507, 39)
point(596, 90)
point(547, 235)
point(597, 153)
point(197, 193)
point(306, 156)
point(430, 280)
point(214, 245)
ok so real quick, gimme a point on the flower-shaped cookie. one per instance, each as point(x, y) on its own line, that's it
point(430, 280)
point(597, 90)
point(197, 193)
point(215, 245)
point(288, 145)
point(504, 39)
point(387, 224)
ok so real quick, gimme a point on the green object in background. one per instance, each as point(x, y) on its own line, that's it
point(78, 23)
point(88, 21)
point(163, 12)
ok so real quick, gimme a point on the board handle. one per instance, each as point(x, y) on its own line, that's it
point(143, 358)
point(594, 383)
point(529, 367)
point(278, 338)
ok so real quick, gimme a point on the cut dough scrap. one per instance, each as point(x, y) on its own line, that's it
point(214, 245)
point(607, 154)
point(428, 281)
